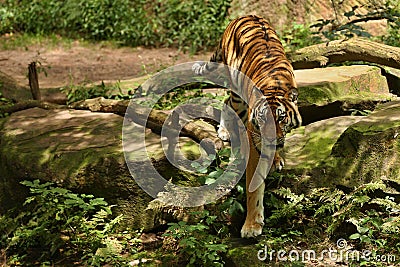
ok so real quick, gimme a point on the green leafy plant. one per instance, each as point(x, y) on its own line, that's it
point(363, 218)
point(392, 14)
point(81, 92)
point(297, 36)
point(194, 24)
point(7, 17)
point(4, 101)
point(190, 25)
point(212, 169)
point(177, 96)
point(57, 223)
point(196, 244)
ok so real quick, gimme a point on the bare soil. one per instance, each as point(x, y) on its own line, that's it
point(78, 63)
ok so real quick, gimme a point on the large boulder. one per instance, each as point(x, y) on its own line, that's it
point(370, 148)
point(321, 86)
point(338, 91)
point(348, 151)
point(78, 150)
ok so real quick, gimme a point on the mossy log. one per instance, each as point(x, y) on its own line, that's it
point(8, 109)
point(339, 51)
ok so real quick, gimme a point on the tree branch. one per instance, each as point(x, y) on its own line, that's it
point(370, 18)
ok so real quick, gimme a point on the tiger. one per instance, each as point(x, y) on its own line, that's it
point(250, 45)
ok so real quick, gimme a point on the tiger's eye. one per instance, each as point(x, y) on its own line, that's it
point(281, 117)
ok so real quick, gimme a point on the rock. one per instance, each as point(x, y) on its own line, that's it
point(348, 151)
point(78, 150)
point(393, 79)
point(370, 148)
point(311, 145)
point(245, 255)
point(321, 86)
point(75, 149)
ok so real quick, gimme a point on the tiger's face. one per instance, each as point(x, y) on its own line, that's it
point(285, 115)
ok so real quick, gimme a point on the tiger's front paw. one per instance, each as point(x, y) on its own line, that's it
point(223, 133)
point(197, 68)
point(252, 227)
point(251, 230)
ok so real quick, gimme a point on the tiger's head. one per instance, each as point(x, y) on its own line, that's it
point(282, 109)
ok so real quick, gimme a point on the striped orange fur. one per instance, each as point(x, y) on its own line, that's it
point(250, 45)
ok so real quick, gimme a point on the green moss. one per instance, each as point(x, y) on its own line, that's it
point(191, 150)
point(367, 151)
point(367, 85)
point(323, 94)
point(245, 256)
point(318, 94)
point(319, 146)
point(312, 145)
point(382, 120)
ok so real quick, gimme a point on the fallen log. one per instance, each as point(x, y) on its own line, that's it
point(8, 109)
point(198, 130)
point(355, 49)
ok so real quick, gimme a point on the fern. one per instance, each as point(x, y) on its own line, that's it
point(388, 203)
point(392, 225)
point(290, 206)
point(288, 194)
point(330, 200)
point(366, 188)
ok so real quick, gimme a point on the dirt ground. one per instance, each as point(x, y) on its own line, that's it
point(77, 63)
